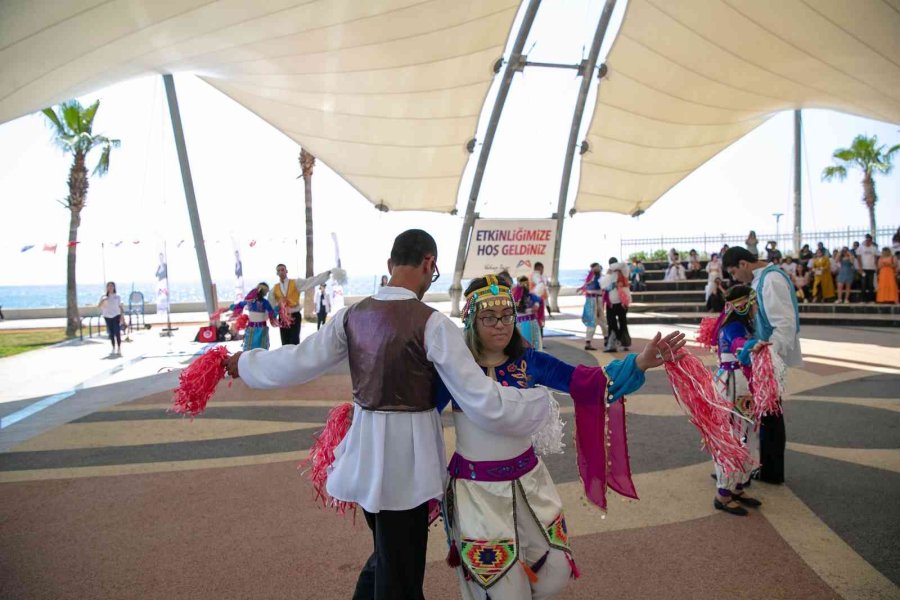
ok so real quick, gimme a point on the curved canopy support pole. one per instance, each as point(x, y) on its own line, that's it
point(587, 75)
point(515, 64)
point(187, 180)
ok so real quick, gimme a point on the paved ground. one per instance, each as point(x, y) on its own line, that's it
point(105, 495)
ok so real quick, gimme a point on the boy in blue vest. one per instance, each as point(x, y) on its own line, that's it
point(777, 325)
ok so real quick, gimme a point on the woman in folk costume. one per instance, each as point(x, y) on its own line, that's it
point(502, 512)
point(257, 308)
point(729, 334)
point(594, 312)
point(529, 311)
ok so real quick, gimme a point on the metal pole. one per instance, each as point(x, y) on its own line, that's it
point(515, 58)
point(798, 230)
point(196, 230)
point(587, 76)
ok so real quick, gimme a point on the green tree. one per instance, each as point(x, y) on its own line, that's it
point(72, 126)
point(866, 155)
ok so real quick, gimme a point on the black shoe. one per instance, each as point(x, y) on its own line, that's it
point(746, 500)
point(737, 510)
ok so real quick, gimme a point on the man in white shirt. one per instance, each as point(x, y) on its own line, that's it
point(616, 313)
point(777, 325)
point(288, 291)
point(323, 306)
point(391, 462)
point(867, 259)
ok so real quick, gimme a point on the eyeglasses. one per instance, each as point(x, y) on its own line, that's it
point(436, 274)
point(491, 320)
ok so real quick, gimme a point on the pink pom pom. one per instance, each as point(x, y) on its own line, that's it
point(216, 315)
point(766, 386)
point(695, 390)
point(241, 323)
point(198, 382)
point(708, 334)
point(321, 456)
point(285, 319)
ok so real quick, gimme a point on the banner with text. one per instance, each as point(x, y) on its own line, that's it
point(511, 244)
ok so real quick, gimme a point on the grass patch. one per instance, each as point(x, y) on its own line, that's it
point(17, 341)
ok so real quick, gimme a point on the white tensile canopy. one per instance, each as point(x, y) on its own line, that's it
point(386, 92)
point(686, 79)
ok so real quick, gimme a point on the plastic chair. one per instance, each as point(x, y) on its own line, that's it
point(135, 310)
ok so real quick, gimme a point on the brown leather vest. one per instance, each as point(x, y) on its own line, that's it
point(389, 367)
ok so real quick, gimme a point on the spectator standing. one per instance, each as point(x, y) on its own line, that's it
point(801, 283)
point(751, 243)
point(594, 312)
point(895, 241)
point(846, 274)
point(384, 281)
point(835, 263)
point(323, 306)
point(111, 308)
point(867, 256)
point(823, 283)
point(887, 278)
point(773, 254)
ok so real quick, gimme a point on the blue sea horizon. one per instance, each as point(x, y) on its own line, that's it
point(54, 296)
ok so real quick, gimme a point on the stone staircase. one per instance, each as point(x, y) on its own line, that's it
point(684, 302)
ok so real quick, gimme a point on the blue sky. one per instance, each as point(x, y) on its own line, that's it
point(245, 178)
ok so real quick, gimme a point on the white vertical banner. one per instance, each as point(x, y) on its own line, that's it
point(162, 279)
point(510, 244)
point(333, 287)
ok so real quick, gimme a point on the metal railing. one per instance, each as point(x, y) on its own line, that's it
point(708, 243)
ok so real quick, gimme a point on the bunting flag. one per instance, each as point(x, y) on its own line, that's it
point(252, 243)
point(178, 245)
point(72, 244)
point(27, 248)
point(50, 248)
point(136, 242)
point(117, 244)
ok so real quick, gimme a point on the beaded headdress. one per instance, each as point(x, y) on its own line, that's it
point(493, 295)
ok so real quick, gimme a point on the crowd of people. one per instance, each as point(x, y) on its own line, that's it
point(819, 275)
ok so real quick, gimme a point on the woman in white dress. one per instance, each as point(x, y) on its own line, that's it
point(675, 272)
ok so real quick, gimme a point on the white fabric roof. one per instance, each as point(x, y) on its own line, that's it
point(386, 92)
point(688, 78)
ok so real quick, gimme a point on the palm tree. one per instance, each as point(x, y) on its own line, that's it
point(866, 155)
point(72, 126)
point(307, 162)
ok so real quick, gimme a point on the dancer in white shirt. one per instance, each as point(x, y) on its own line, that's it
point(777, 325)
point(391, 461)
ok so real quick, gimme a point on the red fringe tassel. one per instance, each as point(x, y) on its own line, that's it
point(285, 319)
point(241, 323)
point(532, 576)
point(321, 456)
point(708, 333)
point(198, 382)
point(575, 572)
point(695, 390)
point(766, 386)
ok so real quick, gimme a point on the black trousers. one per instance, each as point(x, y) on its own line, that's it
point(320, 319)
point(617, 321)
point(772, 440)
point(396, 569)
point(868, 286)
point(291, 335)
point(114, 329)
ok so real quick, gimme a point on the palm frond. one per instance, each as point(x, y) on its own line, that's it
point(71, 114)
point(844, 154)
point(87, 116)
point(838, 172)
point(102, 167)
point(54, 120)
